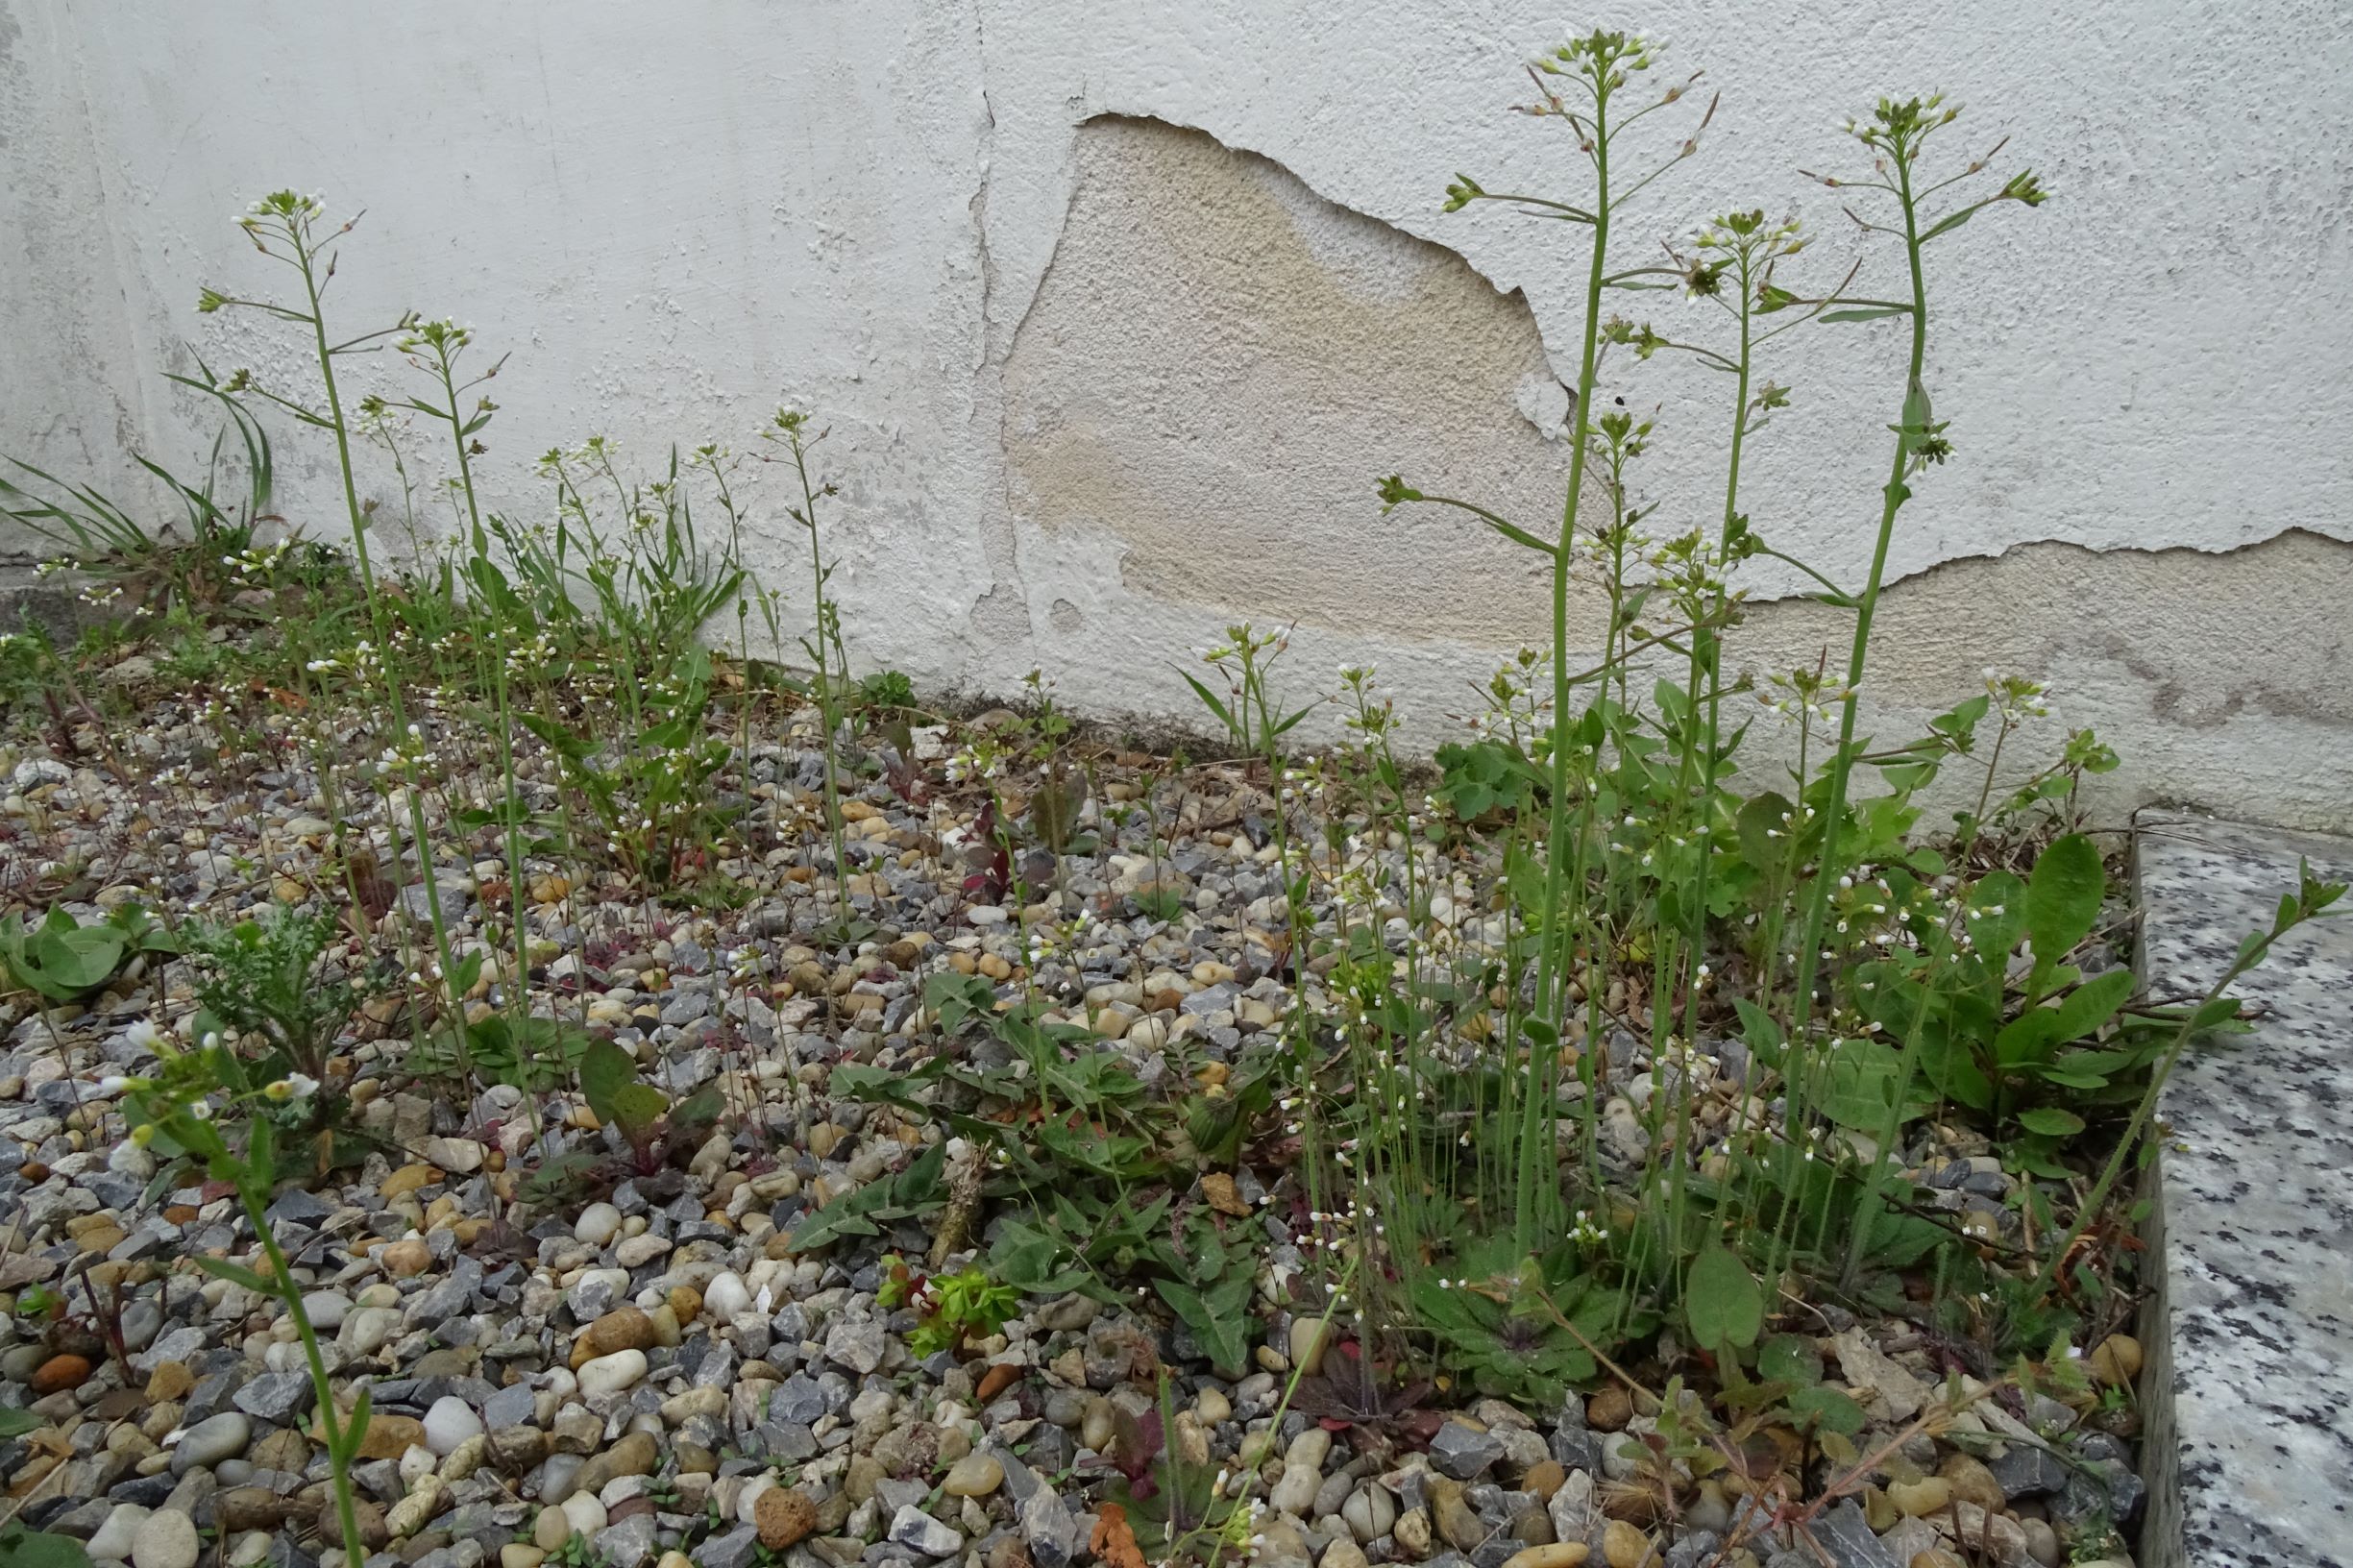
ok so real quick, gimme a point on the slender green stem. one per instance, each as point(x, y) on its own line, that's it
point(827, 696)
point(338, 1449)
point(2088, 1211)
point(1841, 765)
point(1536, 1120)
point(303, 260)
point(511, 804)
point(1707, 670)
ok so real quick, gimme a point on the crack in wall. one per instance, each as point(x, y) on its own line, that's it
point(1001, 611)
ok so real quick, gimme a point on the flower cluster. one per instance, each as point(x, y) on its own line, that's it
point(282, 207)
point(1803, 696)
point(2015, 698)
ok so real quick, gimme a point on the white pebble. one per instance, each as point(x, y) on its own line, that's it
point(165, 1538)
point(725, 1296)
point(597, 1224)
point(112, 1542)
point(611, 1374)
point(586, 1513)
point(448, 1423)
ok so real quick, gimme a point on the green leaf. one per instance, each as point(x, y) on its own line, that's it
point(700, 1109)
point(236, 1274)
point(955, 998)
point(1949, 222)
point(2063, 895)
point(2215, 1013)
point(1901, 1241)
point(1216, 1320)
point(2026, 1039)
point(1759, 1032)
point(2067, 1078)
point(1867, 312)
point(2050, 1121)
point(2093, 1004)
point(1859, 1082)
point(355, 1425)
point(59, 959)
point(16, 1423)
point(637, 1107)
point(1996, 916)
point(1947, 1062)
point(22, 1548)
point(1209, 700)
point(570, 746)
point(1722, 1300)
point(1918, 412)
point(894, 1198)
point(605, 1070)
point(1760, 818)
point(1832, 1410)
point(1026, 1258)
point(1789, 1358)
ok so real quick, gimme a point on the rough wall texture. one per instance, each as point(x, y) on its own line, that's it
point(1116, 310)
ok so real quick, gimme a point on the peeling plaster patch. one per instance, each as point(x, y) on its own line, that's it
point(2223, 680)
point(1218, 367)
point(1066, 616)
point(2203, 637)
point(1001, 614)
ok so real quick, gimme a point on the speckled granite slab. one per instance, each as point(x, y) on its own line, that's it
point(2249, 1385)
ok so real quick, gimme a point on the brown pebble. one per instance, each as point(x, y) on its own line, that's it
point(388, 1436)
point(374, 1534)
point(2116, 1362)
point(241, 1509)
point(406, 1259)
point(60, 1373)
point(1623, 1546)
point(1972, 1482)
point(1609, 1410)
point(1544, 1477)
point(623, 1328)
point(170, 1380)
point(785, 1517)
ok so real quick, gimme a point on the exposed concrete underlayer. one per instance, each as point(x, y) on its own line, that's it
point(1098, 384)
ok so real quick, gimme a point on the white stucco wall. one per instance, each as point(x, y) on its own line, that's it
point(939, 223)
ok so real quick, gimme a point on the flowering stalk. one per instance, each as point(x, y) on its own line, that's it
point(1599, 65)
point(1897, 134)
point(435, 347)
point(823, 643)
point(287, 219)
